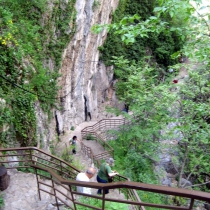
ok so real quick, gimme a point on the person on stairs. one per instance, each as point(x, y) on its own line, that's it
point(105, 173)
point(73, 142)
point(85, 177)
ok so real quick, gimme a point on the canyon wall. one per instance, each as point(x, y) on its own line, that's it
point(86, 85)
point(85, 81)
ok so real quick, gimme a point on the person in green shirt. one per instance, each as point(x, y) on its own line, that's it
point(105, 172)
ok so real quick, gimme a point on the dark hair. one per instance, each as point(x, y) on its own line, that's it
point(74, 137)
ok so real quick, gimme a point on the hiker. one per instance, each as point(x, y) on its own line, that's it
point(105, 173)
point(73, 142)
point(85, 177)
point(125, 108)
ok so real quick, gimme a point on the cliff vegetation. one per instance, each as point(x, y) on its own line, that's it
point(33, 35)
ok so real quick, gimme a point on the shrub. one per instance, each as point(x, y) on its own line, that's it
point(89, 137)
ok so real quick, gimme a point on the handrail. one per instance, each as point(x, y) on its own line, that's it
point(60, 180)
point(87, 150)
point(100, 125)
point(106, 123)
point(198, 195)
point(99, 139)
point(191, 194)
point(60, 166)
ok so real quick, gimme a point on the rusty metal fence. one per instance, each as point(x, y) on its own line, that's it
point(94, 133)
point(62, 174)
point(105, 124)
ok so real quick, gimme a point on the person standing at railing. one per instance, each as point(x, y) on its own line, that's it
point(73, 142)
point(85, 177)
point(105, 173)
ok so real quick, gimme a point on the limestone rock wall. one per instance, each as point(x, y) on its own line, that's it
point(83, 75)
point(85, 83)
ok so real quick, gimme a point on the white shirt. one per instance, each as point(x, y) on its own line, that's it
point(84, 178)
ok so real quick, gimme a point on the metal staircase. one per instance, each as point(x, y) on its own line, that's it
point(63, 174)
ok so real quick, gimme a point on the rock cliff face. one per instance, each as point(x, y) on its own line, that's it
point(86, 84)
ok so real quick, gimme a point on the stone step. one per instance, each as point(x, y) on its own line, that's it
point(22, 193)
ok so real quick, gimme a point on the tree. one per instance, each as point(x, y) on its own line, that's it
point(153, 102)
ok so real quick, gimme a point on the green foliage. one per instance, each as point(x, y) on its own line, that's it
point(95, 5)
point(25, 50)
point(66, 155)
point(89, 137)
point(52, 148)
point(129, 26)
point(24, 118)
point(41, 173)
point(130, 163)
point(78, 165)
point(154, 198)
point(154, 102)
point(26, 170)
point(156, 105)
point(98, 203)
point(1, 201)
point(137, 167)
point(64, 21)
point(195, 124)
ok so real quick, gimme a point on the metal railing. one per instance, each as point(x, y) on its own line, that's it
point(25, 156)
point(88, 151)
point(104, 124)
point(93, 132)
point(63, 174)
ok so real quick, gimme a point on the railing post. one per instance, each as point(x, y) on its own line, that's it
point(61, 167)
point(103, 200)
point(91, 155)
point(31, 157)
point(72, 196)
point(37, 180)
point(191, 204)
point(53, 186)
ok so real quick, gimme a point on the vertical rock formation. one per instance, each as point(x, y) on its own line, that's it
point(82, 73)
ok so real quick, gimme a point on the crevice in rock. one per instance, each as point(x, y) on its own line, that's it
point(57, 124)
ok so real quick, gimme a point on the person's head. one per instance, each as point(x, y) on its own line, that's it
point(74, 137)
point(90, 172)
point(110, 161)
